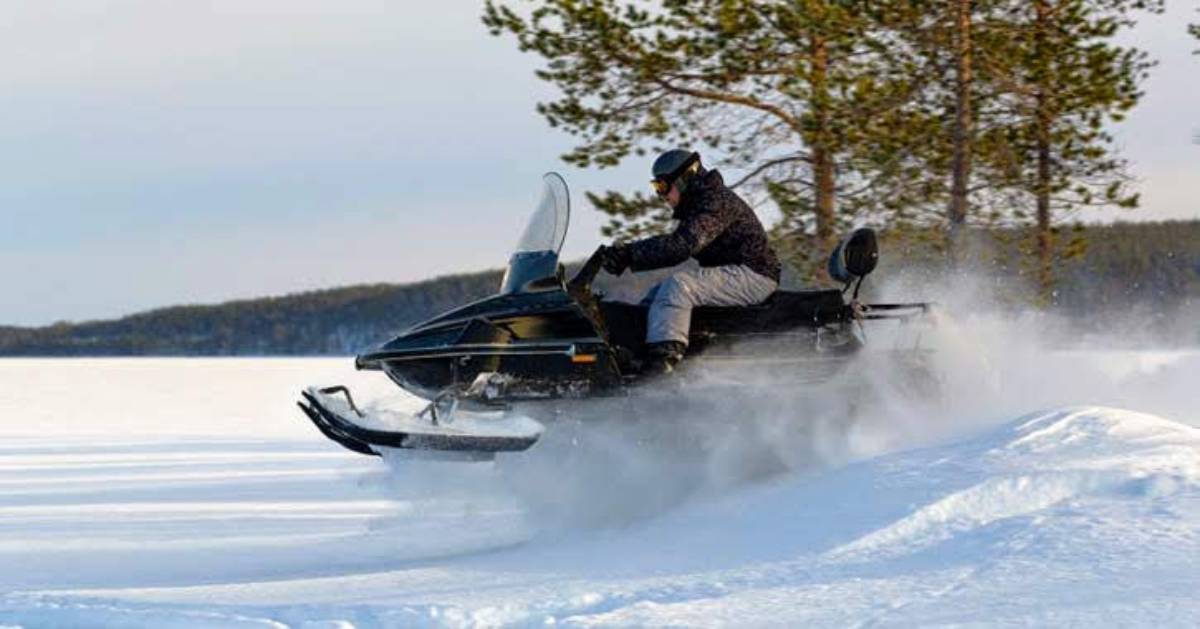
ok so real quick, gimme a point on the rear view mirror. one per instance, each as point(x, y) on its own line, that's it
point(855, 257)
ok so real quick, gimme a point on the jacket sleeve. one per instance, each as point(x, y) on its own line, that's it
point(693, 234)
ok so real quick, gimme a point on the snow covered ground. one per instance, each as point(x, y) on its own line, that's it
point(190, 492)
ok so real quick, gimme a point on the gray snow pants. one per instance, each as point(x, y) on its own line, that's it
point(671, 302)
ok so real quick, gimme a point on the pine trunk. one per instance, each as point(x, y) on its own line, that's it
point(822, 156)
point(1044, 118)
point(1045, 237)
point(960, 172)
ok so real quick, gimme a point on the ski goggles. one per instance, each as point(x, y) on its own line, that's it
point(660, 186)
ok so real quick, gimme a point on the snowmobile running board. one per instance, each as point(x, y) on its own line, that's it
point(433, 437)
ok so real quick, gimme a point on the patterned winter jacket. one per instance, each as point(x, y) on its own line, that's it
point(716, 227)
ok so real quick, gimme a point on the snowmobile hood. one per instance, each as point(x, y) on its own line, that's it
point(547, 320)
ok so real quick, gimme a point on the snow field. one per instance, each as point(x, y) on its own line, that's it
point(190, 493)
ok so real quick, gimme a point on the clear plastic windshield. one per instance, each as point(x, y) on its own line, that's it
point(534, 264)
point(547, 228)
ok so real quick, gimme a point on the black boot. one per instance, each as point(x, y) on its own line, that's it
point(662, 357)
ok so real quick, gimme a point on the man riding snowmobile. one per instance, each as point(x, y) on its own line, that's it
point(718, 229)
point(523, 358)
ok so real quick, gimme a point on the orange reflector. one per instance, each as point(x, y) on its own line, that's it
point(583, 358)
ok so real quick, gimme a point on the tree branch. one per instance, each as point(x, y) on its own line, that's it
point(735, 99)
point(768, 164)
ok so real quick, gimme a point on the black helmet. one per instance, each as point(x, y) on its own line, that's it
point(675, 165)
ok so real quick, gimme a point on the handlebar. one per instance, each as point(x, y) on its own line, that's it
point(582, 282)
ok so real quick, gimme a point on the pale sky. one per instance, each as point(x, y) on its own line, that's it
point(157, 152)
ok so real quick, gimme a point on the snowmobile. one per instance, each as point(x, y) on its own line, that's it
point(488, 368)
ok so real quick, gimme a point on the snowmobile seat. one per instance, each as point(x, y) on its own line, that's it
point(782, 311)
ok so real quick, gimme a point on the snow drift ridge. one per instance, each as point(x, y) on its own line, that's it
point(1040, 461)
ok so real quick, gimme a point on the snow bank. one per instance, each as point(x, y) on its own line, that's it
point(1035, 464)
point(1083, 515)
point(1073, 516)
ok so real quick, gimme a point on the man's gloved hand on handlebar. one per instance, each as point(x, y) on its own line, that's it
point(616, 259)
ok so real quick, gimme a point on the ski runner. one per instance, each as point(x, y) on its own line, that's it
point(718, 229)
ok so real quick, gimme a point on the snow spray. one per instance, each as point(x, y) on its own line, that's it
point(612, 463)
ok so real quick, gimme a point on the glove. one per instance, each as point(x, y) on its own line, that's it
point(616, 259)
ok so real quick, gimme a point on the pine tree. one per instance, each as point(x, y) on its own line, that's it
point(1066, 82)
point(963, 43)
point(807, 97)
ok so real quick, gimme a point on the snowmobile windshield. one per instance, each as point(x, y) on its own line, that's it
point(547, 228)
point(534, 264)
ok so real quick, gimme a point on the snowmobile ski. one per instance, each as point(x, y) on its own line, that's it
point(339, 419)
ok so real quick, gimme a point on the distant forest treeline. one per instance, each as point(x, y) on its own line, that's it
point(1151, 270)
point(334, 321)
